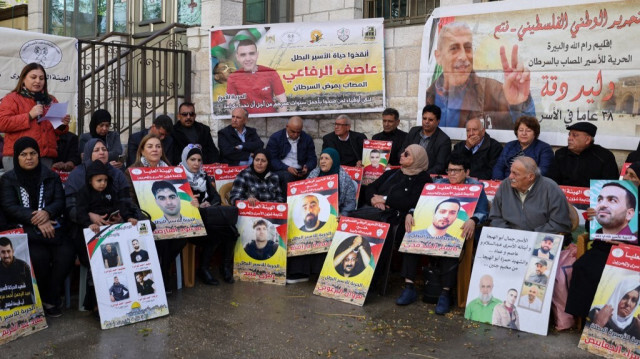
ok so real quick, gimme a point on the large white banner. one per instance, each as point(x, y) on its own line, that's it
point(57, 54)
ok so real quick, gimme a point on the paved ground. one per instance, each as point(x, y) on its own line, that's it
point(246, 320)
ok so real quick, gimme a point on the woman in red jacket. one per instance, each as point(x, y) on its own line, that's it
point(19, 113)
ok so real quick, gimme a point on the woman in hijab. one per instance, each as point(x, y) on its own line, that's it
point(257, 183)
point(217, 219)
point(20, 111)
point(99, 128)
point(32, 196)
point(329, 164)
point(618, 313)
point(299, 268)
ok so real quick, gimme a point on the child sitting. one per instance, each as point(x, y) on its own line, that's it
point(98, 196)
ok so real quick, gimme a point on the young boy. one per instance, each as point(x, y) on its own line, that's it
point(99, 197)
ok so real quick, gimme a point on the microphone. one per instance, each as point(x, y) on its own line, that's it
point(38, 103)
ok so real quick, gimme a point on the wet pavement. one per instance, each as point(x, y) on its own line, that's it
point(251, 320)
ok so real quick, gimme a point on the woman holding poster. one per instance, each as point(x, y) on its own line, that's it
point(32, 196)
point(257, 183)
point(151, 154)
point(20, 113)
point(618, 313)
point(213, 215)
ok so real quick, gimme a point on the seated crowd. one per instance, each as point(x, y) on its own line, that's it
point(53, 216)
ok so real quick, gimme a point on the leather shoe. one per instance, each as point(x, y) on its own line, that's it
point(206, 277)
point(227, 274)
point(443, 305)
point(408, 296)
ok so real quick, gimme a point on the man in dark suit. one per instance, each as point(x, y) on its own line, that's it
point(161, 127)
point(348, 143)
point(187, 130)
point(481, 150)
point(432, 138)
point(390, 132)
point(238, 141)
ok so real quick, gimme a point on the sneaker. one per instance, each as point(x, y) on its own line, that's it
point(297, 278)
point(53, 312)
point(443, 305)
point(408, 295)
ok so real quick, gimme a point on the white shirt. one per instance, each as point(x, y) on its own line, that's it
point(291, 159)
point(524, 303)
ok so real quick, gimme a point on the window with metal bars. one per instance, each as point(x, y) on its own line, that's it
point(268, 11)
point(400, 12)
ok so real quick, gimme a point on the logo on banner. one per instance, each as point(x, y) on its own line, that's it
point(379, 232)
point(177, 170)
point(344, 226)
point(343, 34)
point(218, 171)
point(474, 188)
point(357, 175)
point(136, 171)
point(316, 36)
point(290, 37)
point(330, 184)
point(142, 229)
point(587, 193)
point(431, 187)
point(44, 52)
point(281, 208)
point(366, 142)
point(293, 191)
point(241, 205)
point(270, 39)
point(369, 33)
point(617, 252)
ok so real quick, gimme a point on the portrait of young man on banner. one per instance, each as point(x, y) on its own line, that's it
point(616, 208)
point(375, 158)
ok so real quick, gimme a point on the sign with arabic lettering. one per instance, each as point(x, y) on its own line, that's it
point(301, 68)
point(560, 61)
point(57, 54)
point(612, 329)
point(349, 266)
point(21, 310)
point(512, 279)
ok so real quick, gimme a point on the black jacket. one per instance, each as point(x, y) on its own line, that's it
point(356, 140)
point(16, 212)
point(228, 139)
point(485, 158)
point(438, 149)
point(397, 137)
point(402, 191)
point(210, 153)
point(595, 162)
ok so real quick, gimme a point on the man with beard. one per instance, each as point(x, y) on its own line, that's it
point(353, 260)
point(144, 286)
point(310, 211)
point(539, 276)
point(111, 257)
point(545, 248)
point(445, 214)
point(481, 308)
point(615, 208)
point(261, 247)
point(531, 300)
point(505, 314)
point(118, 291)
point(15, 277)
point(138, 255)
point(167, 199)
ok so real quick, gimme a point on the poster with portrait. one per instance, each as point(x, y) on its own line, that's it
point(126, 274)
point(303, 68)
point(224, 177)
point(612, 329)
point(355, 173)
point(261, 251)
point(562, 61)
point(616, 205)
point(512, 279)
point(165, 194)
point(375, 158)
point(579, 198)
point(439, 215)
point(21, 311)
point(313, 213)
point(349, 266)
point(210, 169)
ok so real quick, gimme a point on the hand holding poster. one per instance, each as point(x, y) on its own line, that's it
point(356, 176)
point(313, 212)
point(439, 215)
point(375, 158)
point(512, 279)
point(616, 205)
point(126, 274)
point(166, 195)
point(261, 250)
point(613, 329)
point(351, 261)
point(303, 68)
point(21, 310)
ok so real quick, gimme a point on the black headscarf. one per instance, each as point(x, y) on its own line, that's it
point(97, 118)
point(267, 170)
point(28, 179)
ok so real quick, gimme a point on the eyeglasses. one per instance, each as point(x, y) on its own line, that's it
point(341, 124)
point(454, 170)
point(185, 114)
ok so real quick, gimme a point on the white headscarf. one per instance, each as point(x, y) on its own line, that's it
point(197, 180)
point(624, 286)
